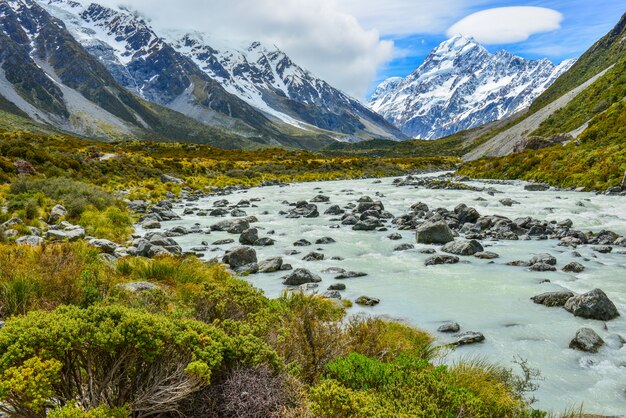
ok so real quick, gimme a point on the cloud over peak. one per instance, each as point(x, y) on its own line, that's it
point(506, 25)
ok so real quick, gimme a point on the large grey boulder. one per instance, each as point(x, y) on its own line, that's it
point(469, 337)
point(240, 256)
point(233, 226)
point(543, 258)
point(31, 240)
point(11, 223)
point(553, 298)
point(57, 213)
point(75, 232)
point(103, 245)
point(463, 247)
point(270, 265)
point(592, 305)
point(574, 267)
point(299, 277)
point(434, 233)
point(249, 236)
point(586, 340)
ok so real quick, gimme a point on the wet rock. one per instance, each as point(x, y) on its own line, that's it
point(264, 242)
point(543, 258)
point(367, 301)
point(270, 265)
point(222, 203)
point(592, 305)
point(536, 187)
point(369, 224)
point(463, 247)
point(151, 224)
point(332, 294)
point(305, 210)
point(586, 340)
point(337, 286)
point(301, 243)
point(466, 214)
point(574, 267)
point(238, 213)
point(334, 210)
point(552, 299)
point(233, 226)
point(31, 240)
point(486, 255)
point(395, 236)
point(320, 199)
point(518, 263)
point(223, 241)
point(251, 268)
point(509, 202)
point(325, 241)
point(542, 267)
point(334, 270)
point(603, 250)
point(57, 213)
point(449, 327)
point(350, 275)
point(441, 259)
point(138, 206)
point(299, 277)
point(314, 256)
point(249, 236)
point(427, 251)
point(349, 220)
point(177, 231)
point(240, 256)
point(404, 247)
point(434, 233)
point(469, 337)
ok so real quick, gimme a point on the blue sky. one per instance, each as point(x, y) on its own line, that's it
point(584, 22)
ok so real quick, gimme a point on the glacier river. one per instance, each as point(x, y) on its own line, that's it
point(493, 299)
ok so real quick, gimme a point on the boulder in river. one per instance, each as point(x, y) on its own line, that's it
point(449, 326)
point(233, 226)
point(434, 233)
point(486, 255)
point(463, 247)
point(404, 247)
point(249, 236)
point(441, 259)
point(334, 210)
point(367, 301)
point(542, 267)
point(325, 240)
point(368, 224)
point(314, 256)
point(543, 258)
point(301, 276)
point(270, 265)
point(469, 337)
point(592, 305)
point(350, 275)
point(574, 267)
point(586, 340)
point(240, 256)
point(553, 298)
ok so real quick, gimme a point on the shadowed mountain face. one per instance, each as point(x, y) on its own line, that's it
point(461, 86)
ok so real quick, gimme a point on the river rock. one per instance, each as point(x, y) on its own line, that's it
point(238, 213)
point(463, 247)
point(313, 256)
point(509, 202)
point(592, 305)
point(449, 327)
point(325, 241)
point(240, 256)
point(574, 267)
point(334, 210)
point(404, 247)
point(469, 337)
point(441, 259)
point(301, 243)
point(233, 226)
point(264, 242)
point(553, 298)
point(543, 258)
point(542, 267)
point(223, 241)
point(249, 236)
point(151, 224)
point(320, 199)
point(486, 255)
point(350, 275)
point(395, 236)
point(304, 209)
point(337, 286)
point(270, 265)
point(299, 277)
point(332, 294)
point(586, 340)
point(369, 224)
point(536, 187)
point(367, 301)
point(434, 233)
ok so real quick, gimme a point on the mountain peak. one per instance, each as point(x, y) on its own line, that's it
point(457, 45)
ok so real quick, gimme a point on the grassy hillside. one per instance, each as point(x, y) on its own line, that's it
point(596, 160)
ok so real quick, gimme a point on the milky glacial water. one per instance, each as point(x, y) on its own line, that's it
point(490, 298)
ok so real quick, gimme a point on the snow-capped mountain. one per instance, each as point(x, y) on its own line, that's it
point(189, 75)
point(460, 86)
point(269, 80)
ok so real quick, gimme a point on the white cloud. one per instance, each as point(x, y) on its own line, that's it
point(504, 25)
point(405, 17)
point(317, 34)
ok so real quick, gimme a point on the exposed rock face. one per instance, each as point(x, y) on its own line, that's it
point(434, 233)
point(587, 340)
point(592, 305)
point(301, 276)
point(240, 256)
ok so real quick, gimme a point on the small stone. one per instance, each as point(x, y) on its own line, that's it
point(449, 327)
point(574, 267)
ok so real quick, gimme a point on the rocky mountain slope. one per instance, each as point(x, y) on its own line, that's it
point(461, 86)
point(217, 87)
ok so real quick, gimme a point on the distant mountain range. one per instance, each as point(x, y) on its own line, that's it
point(461, 86)
point(106, 73)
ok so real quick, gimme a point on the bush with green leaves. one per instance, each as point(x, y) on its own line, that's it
point(115, 357)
